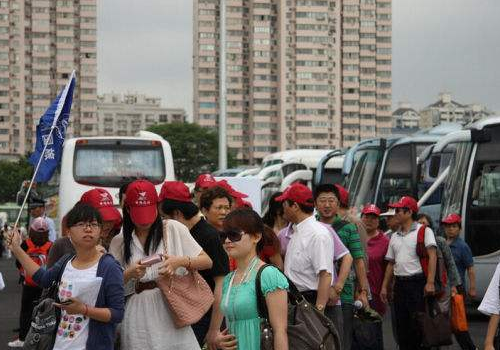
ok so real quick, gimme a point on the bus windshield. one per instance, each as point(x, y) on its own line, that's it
point(363, 179)
point(114, 165)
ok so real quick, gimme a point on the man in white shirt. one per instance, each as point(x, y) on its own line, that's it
point(491, 306)
point(309, 255)
point(411, 284)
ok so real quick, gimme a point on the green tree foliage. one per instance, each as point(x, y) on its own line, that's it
point(194, 148)
point(12, 174)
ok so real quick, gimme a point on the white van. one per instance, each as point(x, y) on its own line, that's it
point(109, 162)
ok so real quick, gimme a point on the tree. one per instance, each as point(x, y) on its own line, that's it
point(12, 175)
point(194, 148)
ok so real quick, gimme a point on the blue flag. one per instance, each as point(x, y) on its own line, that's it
point(50, 133)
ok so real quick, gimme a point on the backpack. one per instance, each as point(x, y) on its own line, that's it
point(45, 318)
point(308, 328)
point(441, 276)
point(39, 254)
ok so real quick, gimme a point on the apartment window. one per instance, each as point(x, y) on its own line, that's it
point(206, 23)
point(384, 39)
point(207, 35)
point(383, 16)
point(206, 12)
point(207, 47)
point(314, 15)
point(384, 74)
point(384, 51)
point(383, 62)
point(347, 79)
point(311, 3)
point(365, 23)
point(368, 13)
point(207, 104)
point(384, 28)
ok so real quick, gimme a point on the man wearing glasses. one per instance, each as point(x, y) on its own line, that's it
point(411, 284)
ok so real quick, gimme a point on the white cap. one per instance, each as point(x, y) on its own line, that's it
point(390, 212)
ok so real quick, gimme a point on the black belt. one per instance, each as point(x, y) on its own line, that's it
point(416, 277)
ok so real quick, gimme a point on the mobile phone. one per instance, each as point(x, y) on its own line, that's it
point(66, 302)
point(151, 260)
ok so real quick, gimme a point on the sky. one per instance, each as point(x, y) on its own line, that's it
point(438, 46)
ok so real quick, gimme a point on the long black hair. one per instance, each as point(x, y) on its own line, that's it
point(152, 241)
point(274, 209)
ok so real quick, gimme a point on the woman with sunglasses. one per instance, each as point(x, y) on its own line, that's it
point(243, 241)
point(148, 322)
point(89, 315)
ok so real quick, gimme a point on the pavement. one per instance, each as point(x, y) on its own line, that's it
point(10, 301)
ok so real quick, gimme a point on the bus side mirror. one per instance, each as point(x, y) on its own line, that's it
point(434, 166)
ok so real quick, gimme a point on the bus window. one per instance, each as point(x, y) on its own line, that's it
point(486, 186)
point(397, 179)
point(111, 166)
point(363, 178)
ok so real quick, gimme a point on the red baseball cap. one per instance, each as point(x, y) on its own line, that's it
point(225, 185)
point(298, 193)
point(204, 181)
point(39, 224)
point(101, 200)
point(343, 195)
point(141, 199)
point(240, 203)
point(371, 209)
point(452, 219)
point(175, 190)
point(406, 202)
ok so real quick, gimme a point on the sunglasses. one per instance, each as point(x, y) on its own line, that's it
point(232, 235)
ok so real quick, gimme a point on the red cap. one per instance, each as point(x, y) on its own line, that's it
point(175, 190)
point(232, 192)
point(240, 203)
point(204, 181)
point(101, 200)
point(371, 209)
point(141, 199)
point(39, 224)
point(343, 195)
point(452, 219)
point(297, 193)
point(406, 202)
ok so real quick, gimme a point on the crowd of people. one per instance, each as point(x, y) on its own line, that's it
point(110, 268)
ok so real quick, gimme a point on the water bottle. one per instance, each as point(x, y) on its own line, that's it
point(365, 313)
point(358, 305)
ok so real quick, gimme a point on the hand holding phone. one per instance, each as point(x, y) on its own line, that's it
point(151, 260)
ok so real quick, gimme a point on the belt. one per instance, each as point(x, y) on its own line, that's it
point(416, 277)
point(142, 286)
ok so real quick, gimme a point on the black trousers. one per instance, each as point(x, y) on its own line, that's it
point(408, 300)
point(29, 298)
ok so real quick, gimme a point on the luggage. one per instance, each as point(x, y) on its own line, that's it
point(308, 328)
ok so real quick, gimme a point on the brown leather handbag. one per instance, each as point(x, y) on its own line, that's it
point(188, 296)
point(434, 325)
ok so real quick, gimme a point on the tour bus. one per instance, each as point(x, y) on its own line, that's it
point(109, 162)
point(329, 169)
point(471, 188)
point(381, 171)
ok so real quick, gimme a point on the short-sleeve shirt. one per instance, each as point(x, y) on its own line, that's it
point(309, 252)
point(349, 235)
point(462, 256)
point(208, 238)
point(403, 250)
point(491, 301)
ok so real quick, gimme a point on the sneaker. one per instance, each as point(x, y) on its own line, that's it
point(16, 344)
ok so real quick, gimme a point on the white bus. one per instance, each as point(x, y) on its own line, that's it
point(109, 162)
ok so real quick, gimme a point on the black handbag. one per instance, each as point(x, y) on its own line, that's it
point(308, 328)
point(434, 325)
point(45, 318)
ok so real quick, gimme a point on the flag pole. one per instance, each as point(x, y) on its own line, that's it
point(57, 113)
point(33, 178)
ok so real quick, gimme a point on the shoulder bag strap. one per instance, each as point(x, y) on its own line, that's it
point(165, 235)
point(421, 251)
point(261, 300)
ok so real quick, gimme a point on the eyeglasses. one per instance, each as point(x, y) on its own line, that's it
point(94, 225)
point(232, 235)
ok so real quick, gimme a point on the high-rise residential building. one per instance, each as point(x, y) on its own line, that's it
point(125, 115)
point(300, 74)
point(41, 43)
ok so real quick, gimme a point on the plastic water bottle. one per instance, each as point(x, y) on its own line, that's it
point(358, 305)
point(365, 313)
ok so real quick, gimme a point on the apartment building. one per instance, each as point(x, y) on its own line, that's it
point(300, 74)
point(124, 115)
point(41, 43)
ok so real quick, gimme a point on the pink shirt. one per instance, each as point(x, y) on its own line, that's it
point(377, 248)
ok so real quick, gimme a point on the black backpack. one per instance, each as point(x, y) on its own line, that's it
point(45, 318)
point(308, 328)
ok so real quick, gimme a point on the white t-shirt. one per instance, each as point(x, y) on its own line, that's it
point(403, 250)
point(491, 301)
point(309, 252)
point(73, 330)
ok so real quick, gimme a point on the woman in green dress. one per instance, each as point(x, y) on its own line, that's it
point(242, 238)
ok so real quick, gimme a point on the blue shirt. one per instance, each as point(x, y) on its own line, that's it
point(462, 256)
point(111, 296)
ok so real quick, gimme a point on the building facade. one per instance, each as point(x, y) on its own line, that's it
point(447, 110)
point(124, 115)
point(405, 117)
point(300, 74)
point(41, 43)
